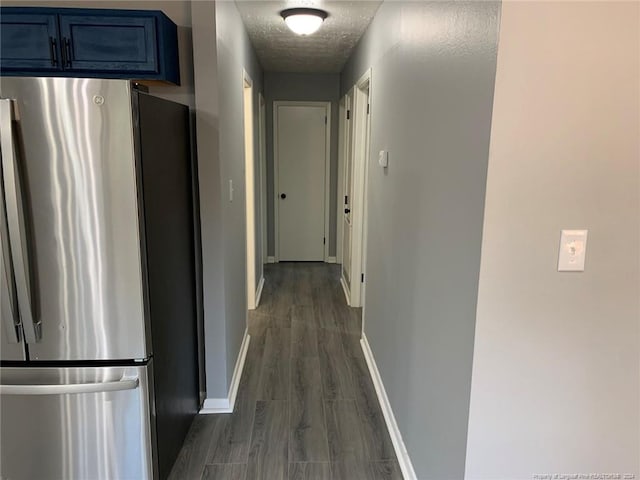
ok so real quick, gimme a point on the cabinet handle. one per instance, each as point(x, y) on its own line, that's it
point(67, 50)
point(53, 51)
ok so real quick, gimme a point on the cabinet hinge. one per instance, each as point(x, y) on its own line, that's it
point(362, 278)
point(324, 240)
point(346, 199)
point(368, 108)
point(348, 114)
point(325, 119)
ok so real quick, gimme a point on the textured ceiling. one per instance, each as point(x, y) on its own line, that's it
point(326, 51)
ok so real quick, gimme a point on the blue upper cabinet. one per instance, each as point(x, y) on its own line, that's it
point(29, 41)
point(109, 43)
point(134, 44)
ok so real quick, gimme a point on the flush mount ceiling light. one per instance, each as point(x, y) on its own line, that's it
point(303, 21)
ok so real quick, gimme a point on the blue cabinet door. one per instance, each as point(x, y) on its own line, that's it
point(29, 42)
point(120, 44)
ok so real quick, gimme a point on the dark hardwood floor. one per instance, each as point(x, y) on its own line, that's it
point(306, 407)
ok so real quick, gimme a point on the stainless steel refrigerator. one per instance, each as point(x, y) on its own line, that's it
point(98, 345)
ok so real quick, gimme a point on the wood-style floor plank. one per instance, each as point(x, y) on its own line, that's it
point(304, 338)
point(193, 454)
point(229, 471)
point(346, 442)
point(268, 457)
point(307, 431)
point(302, 288)
point(259, 322)
point(276, 363)
point(337, 383)
point(351, 345)
point(309, 471)
point(373, 425)
point(350, 470)
point(388, 470)
point(362, 470)
point(277, 294)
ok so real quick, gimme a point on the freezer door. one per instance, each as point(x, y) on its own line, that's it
point(75, 423)
point(73, 218)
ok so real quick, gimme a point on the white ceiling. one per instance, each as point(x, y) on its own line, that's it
point(326, 51)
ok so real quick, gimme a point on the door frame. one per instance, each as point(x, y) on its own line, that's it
point(263, 172)
point(327, 172)
point(361, 156)
point(342, 136)
point(250, 191)
point(346, 149)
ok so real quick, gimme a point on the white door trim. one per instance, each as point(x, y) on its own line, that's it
point(362, 129)
point(250, 189)
point(263, 174)
point(347, 187)
point(342, 136)
point(327, 174)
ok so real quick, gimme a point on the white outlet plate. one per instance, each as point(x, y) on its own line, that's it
point(573, 250)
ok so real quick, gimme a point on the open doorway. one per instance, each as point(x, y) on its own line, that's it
point(356, 154)
point(255, 278)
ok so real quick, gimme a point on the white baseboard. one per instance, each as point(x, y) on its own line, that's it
point(259, 291)
point(226, 405)
point(396, 437)
point(271, 259)
point(331, 260)
point(215, 405)
point(345, 289)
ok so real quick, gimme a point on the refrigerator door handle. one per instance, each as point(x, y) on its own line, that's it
point(125, 383)
point(8, 307)
point(16, 222)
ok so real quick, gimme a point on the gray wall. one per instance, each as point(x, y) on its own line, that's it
point(555, 370)
point(234, 52)
point(221, 51)
point(433, 71)
point(207, 118)
point(302, 87)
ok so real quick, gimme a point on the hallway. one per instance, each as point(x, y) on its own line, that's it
point(306, 406)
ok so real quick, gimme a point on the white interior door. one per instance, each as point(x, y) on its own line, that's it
point(354, 217)
point(348, 196)
point(301, 134)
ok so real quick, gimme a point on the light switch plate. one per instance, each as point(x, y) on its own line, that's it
point(383, 158)
point(573, 249)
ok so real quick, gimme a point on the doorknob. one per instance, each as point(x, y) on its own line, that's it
point(347, 210)
point(283, 196)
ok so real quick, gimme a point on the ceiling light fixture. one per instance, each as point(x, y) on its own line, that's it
point(303, 21)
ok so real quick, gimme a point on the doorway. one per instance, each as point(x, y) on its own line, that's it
point(262, 122)
point(356, 157)
point(301, 167)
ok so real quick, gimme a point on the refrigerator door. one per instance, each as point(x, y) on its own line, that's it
point(76, 423)
point(73, 218)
